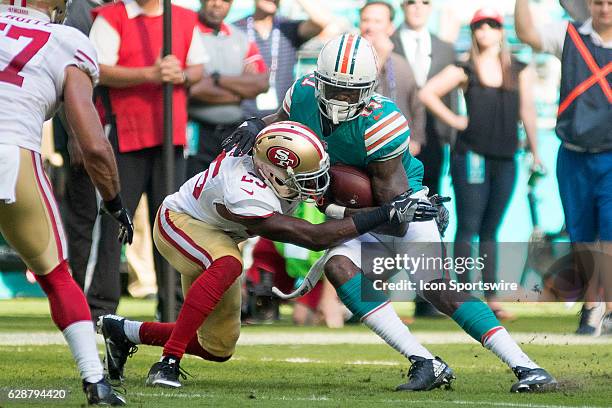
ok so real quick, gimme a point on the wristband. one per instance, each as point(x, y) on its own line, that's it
point(335, 211)
point(114, 205)
point(367, 221)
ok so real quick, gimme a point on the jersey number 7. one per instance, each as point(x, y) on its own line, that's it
point(10, 74)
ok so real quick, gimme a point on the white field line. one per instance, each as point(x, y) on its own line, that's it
point(315, 398)
point(347, 337)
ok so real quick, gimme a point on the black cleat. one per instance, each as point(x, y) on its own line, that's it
point(101, 393)
point(427, 374)
point(165, 373)
point(118, 347)
point(533, 379)
point(590, 320)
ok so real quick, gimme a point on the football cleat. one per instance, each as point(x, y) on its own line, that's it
point(533, 379)
point(590, 320)
point(166, 373)
point(101, 393)
point(427, 374)
point(606, 324)
point(118, 346)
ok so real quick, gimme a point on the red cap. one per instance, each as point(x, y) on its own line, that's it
point(487, 14)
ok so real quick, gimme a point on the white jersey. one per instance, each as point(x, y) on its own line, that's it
point(34, 55)
point(230, 181)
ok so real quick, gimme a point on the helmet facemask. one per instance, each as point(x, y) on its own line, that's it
point(288, 185)
point(342, 101)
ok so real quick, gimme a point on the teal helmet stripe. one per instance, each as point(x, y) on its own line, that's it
point(339, 53)
point(355, 54)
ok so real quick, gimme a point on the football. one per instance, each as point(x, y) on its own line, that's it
point(350, 186)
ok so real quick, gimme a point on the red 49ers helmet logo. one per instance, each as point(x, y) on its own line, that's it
point(283, 157)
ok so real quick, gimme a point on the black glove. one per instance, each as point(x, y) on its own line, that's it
point(243, 137)
point(443, 216)
point(405, 209)
point(115, 209)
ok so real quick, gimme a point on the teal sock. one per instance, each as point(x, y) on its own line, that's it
point(476, 318)
point(350, 294)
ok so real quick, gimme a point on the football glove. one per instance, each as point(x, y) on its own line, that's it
point(243, 138)
point(405, 209)
point(115, 209)
point(443, 216)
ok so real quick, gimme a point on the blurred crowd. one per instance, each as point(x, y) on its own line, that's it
point(466, 98)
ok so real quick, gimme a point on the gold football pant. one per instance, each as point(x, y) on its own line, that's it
point(190, 246)
point(32, 224)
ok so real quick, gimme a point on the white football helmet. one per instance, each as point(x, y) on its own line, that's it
point(56, 10)
point(345, 77)
point(292, 161)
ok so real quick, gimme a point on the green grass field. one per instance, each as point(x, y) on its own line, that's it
point(337, 375)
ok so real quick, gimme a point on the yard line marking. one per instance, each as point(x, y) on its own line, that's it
point(288, 337)
point(387, 401)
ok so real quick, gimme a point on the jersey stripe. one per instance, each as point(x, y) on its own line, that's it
point(87, 57)
point(401, 149)
point(376, 146)
point(398, 122)
point(379, 125)
point(287, 100)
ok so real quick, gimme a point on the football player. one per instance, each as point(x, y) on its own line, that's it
point(41, 65)
point(198, 230)
point(366, 130)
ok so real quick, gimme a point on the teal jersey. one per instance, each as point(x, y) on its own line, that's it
point(380, 133)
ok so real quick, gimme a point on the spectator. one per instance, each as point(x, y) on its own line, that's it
point(498, 92)
point(278, 40)
point(128, 38)
point(427, 55)
point(395, 79)
point(584, 164)
point(236, 71)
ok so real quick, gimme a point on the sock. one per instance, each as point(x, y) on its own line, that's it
point(157, 334)
point(66, 300)
point(379, 316)
point(70, 313)
point(202, 297)
point(131, 328)
point(385, 322)
point(498, 340)
point(476, 318)
point(81, 339)
point(350, 293)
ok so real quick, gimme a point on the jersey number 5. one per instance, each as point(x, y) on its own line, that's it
point(39, 38)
